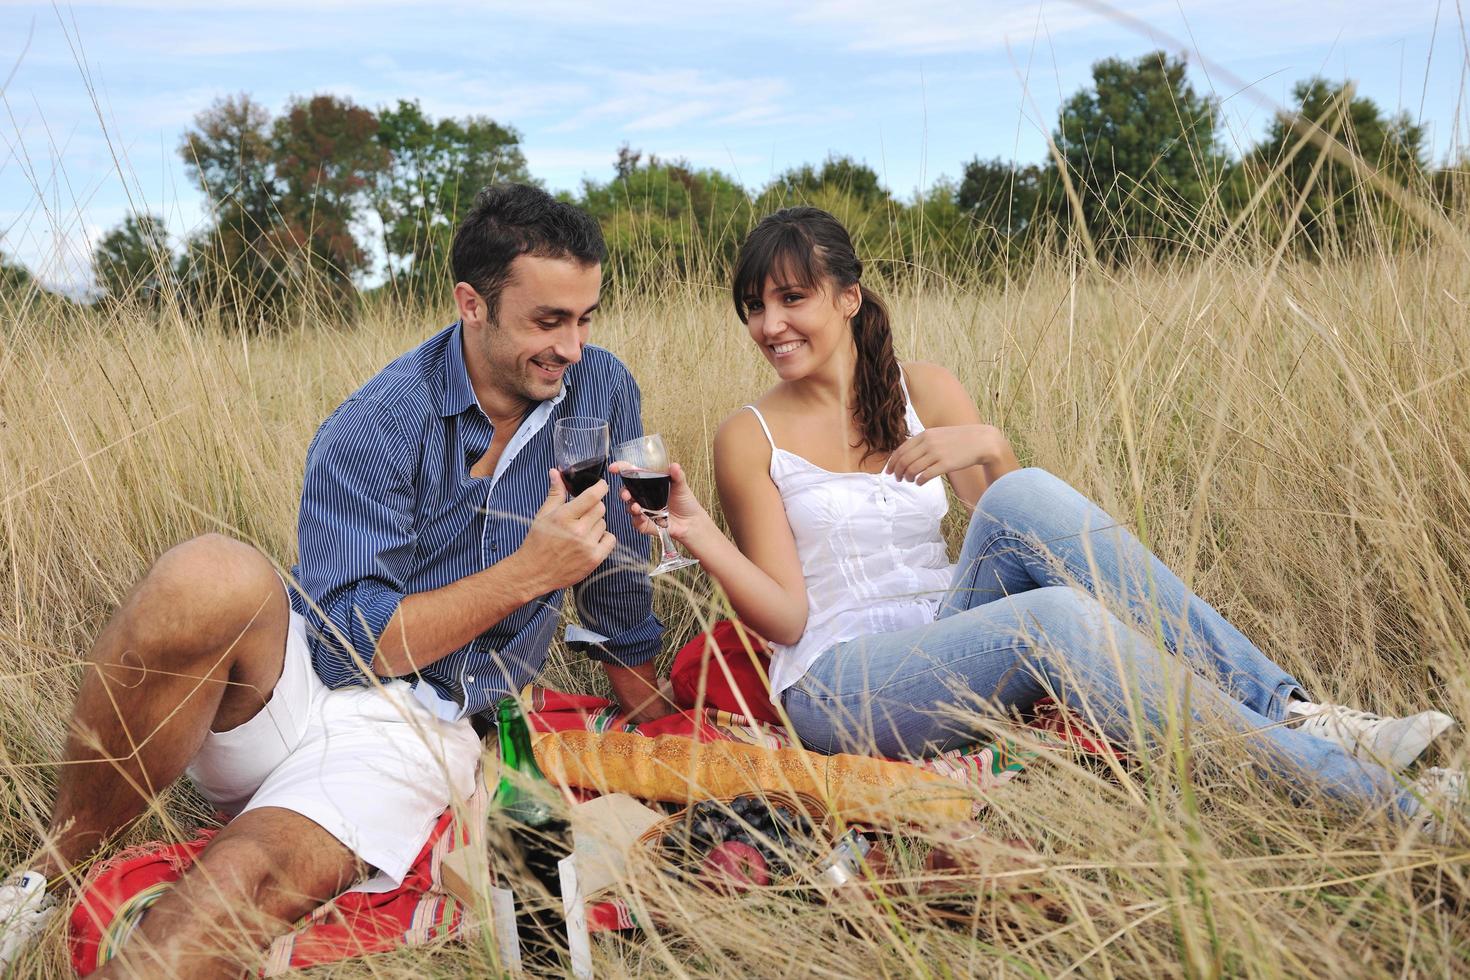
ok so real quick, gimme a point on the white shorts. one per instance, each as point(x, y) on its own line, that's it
point(370, 765)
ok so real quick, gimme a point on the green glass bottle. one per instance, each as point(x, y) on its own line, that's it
point(529, 836)
point(522, 795)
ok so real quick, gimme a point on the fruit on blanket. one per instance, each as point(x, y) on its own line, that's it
point(735, 864)
point(774, 832)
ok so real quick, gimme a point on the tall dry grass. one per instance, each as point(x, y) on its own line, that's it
point(1292, 438)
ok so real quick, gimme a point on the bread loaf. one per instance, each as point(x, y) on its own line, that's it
point(675, 769)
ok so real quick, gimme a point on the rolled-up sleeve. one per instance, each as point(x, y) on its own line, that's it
point(615, 602)
point(356, 537)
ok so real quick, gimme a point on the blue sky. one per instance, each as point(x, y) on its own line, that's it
point(99, 93)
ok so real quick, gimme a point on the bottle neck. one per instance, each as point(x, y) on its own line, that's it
point(515, 746)
point(517, 794)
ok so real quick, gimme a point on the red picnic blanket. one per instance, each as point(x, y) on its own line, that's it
point(119, 891)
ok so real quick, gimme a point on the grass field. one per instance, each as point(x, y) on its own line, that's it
point(1294, 439)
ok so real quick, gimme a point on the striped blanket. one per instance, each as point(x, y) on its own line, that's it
point(120, 890)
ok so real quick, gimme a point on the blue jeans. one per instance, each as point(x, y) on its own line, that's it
point(1027, 616)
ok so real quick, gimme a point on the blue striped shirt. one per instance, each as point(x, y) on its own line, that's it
point(389, 508)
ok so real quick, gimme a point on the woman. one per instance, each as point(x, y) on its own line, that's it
point(830, 485)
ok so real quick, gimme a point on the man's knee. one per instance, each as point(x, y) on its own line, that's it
point(261, 875)
point(235, 870)
point(211, 587)
point(214, 570)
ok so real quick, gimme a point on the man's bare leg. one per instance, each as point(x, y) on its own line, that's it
point(266, 869)
point(198, 644)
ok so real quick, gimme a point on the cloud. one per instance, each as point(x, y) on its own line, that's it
point(653, 101)
point(953, 26)
point(941, 26)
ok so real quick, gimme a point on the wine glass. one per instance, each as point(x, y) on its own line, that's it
point(645, 472)
point(580, 446)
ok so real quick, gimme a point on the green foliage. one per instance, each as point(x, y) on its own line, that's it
point(1141, 148)
point(667, 219)
point(1001, 194)
point(15, 279)
point(434, 169)
point(1327, 198)
point(234, 264)
point(287, 196)
point(1012, 210)
point(325, 152)
point(1138, 147)
point(228, 153)
point(132, 261)
point(840, 174)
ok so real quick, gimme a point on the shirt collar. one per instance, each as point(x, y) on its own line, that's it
point(459, 394)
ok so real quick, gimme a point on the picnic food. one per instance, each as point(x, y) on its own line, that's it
point(675, 769)
point(745, 843)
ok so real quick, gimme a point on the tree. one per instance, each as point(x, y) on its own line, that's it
point(433, 171)
point(326, 154)
point(1000, 194)
point(228, 153)
point(234, 264)
point(15, 278)
point(1451, 186)
point(1011, 211)
point(665, 218)
point(132, 260)
point(1333, 199)
point(1142, 151)
point(838, 173)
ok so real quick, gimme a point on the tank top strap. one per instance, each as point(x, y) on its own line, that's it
point(764, 428)
point(903, 382)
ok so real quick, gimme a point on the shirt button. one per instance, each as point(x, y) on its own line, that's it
point(469, 679)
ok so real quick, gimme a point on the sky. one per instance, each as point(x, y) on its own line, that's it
point(95, 96)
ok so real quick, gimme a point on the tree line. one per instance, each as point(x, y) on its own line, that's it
point(328, 193)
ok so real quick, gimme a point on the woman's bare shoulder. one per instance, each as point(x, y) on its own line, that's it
point(740, 434)
point(928, 381)
point(938, 395)
point(741, 429)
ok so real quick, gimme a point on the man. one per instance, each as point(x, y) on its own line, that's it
point(333, 719)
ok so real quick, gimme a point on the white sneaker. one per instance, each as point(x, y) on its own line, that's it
point(1395, 742)
point(1439, 792)
point(25, 908)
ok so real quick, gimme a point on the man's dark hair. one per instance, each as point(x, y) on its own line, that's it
point(507, 220)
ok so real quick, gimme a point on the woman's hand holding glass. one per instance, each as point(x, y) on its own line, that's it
point(685, 510)
point(654, 492)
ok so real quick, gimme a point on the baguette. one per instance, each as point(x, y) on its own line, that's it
point(675, 769)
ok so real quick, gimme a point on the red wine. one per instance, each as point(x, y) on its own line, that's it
point(650, 490)
point(579, 476)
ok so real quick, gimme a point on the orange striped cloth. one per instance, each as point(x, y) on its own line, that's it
point(119, 891)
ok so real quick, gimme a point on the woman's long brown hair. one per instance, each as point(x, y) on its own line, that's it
point(806, 246)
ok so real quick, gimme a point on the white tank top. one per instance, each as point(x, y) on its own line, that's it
point(870, 549)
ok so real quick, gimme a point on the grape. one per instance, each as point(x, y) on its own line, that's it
point(708, 830)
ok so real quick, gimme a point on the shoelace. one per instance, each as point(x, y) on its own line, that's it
point(1439, 790)
point(1338, 713)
